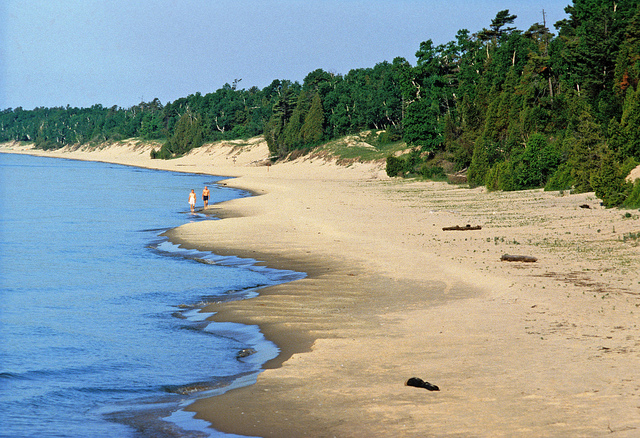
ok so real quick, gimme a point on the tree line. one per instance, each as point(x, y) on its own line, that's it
point(516, 109)
point(529, 109)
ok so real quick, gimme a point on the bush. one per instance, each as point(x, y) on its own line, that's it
point(395, 166)
point(633, 200)
point(435, 173)
point(188, 134)
point(116, 136)
point(162, 154)
point(46, 145)
point(390, 135)
point(609, 183)
point(407, 164)
point(535, 164)
point(501, 177)
point(561, 179)
point(479, 164)
point(240, 131)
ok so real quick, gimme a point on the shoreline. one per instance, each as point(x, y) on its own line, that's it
point(517, 349)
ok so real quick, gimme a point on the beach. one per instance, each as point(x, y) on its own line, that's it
point(546, 348)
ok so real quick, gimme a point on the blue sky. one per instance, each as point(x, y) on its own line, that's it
point(121, 52)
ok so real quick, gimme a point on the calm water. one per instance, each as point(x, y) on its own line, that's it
point(100, 334)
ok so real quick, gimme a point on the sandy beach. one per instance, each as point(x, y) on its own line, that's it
point(549, 348)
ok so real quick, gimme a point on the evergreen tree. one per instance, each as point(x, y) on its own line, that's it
point(608, 181)
point(292, 137)
point(312, 129)
point(534, 166)
point(421, 127)
point(421, 90)
point(630, 126)
point(282, 112)
point(585, 152)
point(188, 135)
point(480, 163)
point(591, 39)
point(627, 71)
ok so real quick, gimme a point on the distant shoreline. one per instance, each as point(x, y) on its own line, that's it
point(517, 349)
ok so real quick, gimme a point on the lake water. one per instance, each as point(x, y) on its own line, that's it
point(100, 334)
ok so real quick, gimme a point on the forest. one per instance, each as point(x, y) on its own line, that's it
point(513, 109)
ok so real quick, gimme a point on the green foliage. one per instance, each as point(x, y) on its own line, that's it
point(395, 166)
point(312, 128)
point(480, 163)
point(526, 110)
point(391, 135)
point(629, 143)
point(292, 137)
point(328, 106)
point(633, 199)
point(413, 162)
point(583, 145)
point(628, 165)
point(608, 182)
point(525, 167)
point(519, 109)
point(535, 164)
point(188, 134)
point(384, 138)
point(227, 113)
point(590, 40)
point(364, 146)
point(435, 173)
point(501, 177)
point(421, 126)
point(408, 164)
point(562, 179)
point(627, 73)
point(282, 112)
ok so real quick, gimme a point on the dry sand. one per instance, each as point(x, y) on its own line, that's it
point(550, 348)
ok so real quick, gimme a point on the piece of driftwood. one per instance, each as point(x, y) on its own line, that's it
point(518, 258)
point(419, 383)
point(465, 228)
point(585, 206)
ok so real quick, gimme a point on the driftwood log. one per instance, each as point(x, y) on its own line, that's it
point(518, 258)
point(459, 228)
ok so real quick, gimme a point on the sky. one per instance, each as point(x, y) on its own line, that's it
point(122, 52)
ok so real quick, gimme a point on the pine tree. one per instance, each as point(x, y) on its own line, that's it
point(584, 159)
point(274, 129)
point(188, 134)
point(312, 129)
point(608, 181)
point(480, 163)
point(627, 73)
point(630, 125)
point(292, 138)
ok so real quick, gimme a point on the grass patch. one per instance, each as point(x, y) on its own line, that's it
point(631, 237)
point(360, 147)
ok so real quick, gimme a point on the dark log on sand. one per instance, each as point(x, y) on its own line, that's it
point(518, 258)
point(459, 228)
point(419, 383)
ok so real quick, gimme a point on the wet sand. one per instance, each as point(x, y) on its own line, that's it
point(549, 348)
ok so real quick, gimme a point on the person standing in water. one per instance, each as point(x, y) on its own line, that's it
point(205, 196)
point(192, 200)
